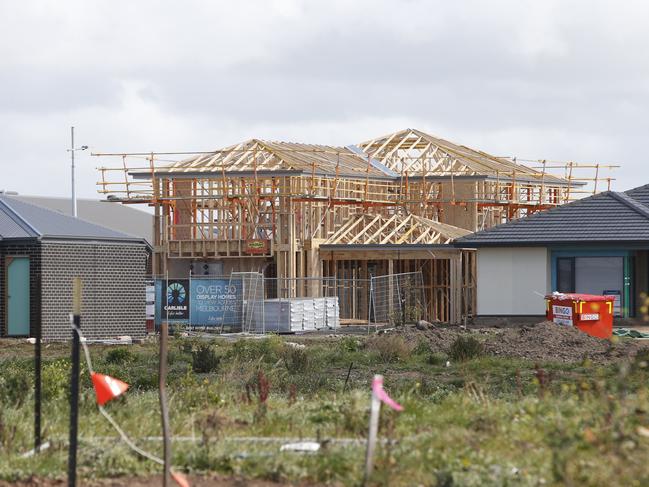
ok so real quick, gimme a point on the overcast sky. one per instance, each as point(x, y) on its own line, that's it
point(562, 80)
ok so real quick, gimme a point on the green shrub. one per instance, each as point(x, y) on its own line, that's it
point(16, 382)
point(354, 414)
point(350, 344)
point(55, 378)
point(119, 355)
point(390, 348)
point(269, 349)
point(186, 345)
point(295, 359)
point(204, 358)
point(465, 348)
point(436, 358)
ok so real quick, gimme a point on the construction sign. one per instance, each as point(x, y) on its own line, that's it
point(174, 300)
point(199, 301)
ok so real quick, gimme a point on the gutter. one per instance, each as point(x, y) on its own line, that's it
point(549, 243)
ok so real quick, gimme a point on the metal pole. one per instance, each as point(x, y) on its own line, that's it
point(163, 405)
point(189, 304)
point(74, 195)
point(37, 389)
point(164, 410)
point(75, 318)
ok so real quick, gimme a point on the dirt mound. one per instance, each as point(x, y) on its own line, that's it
point(438, 338)
point(548, 341)
point(543, 342)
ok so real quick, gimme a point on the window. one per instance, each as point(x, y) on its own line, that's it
point(566, 274)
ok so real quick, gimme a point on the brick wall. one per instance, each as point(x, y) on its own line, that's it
point(113, 301)
point(31, 249)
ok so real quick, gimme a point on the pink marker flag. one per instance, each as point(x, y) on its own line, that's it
point(379, 392)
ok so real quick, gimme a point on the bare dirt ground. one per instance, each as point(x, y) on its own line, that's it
point(545, 341)
point(153, 480)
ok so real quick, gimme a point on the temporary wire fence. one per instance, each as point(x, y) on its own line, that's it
point(248, 302)
point(122, 434)
point(250, 306)
point(398, 298)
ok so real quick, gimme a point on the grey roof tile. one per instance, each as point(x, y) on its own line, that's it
point(19, 219)
point(640, 194)
point(605, 217)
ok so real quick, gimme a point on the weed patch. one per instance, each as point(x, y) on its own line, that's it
point(389, 348)
point(465, 348)
point(204, 358)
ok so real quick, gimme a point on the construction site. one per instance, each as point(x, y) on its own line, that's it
point(316, 221)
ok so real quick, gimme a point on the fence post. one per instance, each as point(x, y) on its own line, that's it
point(162, 393)
point(75, 318)
point(164, 410)
point(371, 309)
point(375, 409)
point(37, 388)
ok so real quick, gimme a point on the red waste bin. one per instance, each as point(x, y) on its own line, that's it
point(590, 313)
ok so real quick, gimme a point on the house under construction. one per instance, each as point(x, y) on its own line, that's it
point(301, 212)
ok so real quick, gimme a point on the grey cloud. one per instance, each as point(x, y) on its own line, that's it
point(43, 91)
point(563, 80)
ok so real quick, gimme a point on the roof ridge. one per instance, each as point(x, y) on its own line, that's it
point(540, 214)
point(631, 203)
point(643, 186)
point(307, 144)
point(116, 234)
point(19, 219)
point(358, 152)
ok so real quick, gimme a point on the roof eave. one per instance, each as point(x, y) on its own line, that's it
point(549, 243)
point(125, 240)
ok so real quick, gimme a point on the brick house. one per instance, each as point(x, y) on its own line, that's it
point(41, 251)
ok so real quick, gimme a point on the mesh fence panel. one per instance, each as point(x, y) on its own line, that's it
point(251, 319)
point(398, 298)
point(250, 303)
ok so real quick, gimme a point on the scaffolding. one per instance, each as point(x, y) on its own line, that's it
point(475, 190)
point(271, 205)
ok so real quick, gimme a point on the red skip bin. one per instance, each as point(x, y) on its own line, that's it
point(590, 313)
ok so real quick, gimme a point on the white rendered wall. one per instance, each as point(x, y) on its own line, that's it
point(510, 278)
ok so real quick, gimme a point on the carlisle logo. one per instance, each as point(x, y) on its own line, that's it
point(176, 293)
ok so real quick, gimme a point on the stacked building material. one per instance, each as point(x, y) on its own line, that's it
point(296, 315)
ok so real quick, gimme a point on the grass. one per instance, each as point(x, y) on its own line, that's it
point(483, 421)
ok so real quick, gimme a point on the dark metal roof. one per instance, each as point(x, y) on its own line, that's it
point(607, 217)
point(20, 220)
point(121, 218)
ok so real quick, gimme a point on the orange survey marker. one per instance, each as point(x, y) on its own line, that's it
point(180, 479)
point(590, 313)
point(107, 388)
